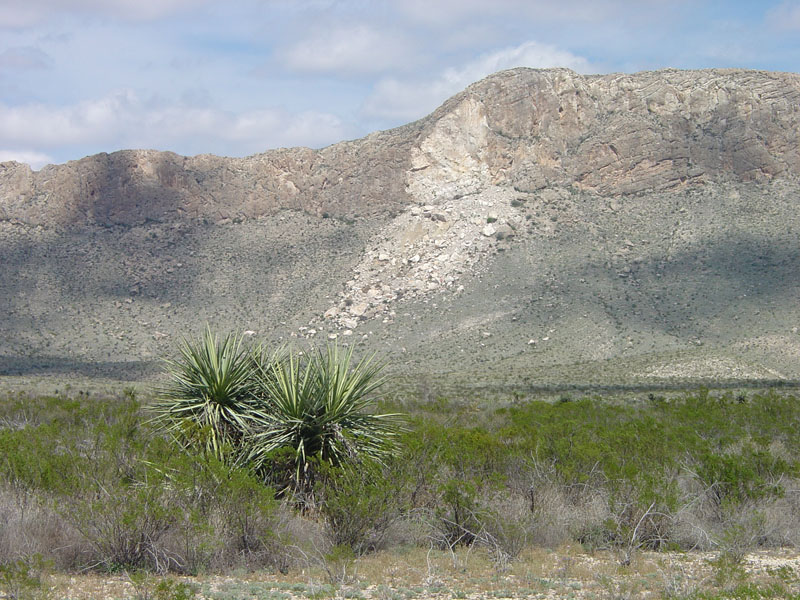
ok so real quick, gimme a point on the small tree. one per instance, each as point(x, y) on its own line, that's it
point(278, 413)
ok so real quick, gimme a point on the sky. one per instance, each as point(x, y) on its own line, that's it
point(239, 77)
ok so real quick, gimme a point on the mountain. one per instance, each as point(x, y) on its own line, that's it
point(540, 227)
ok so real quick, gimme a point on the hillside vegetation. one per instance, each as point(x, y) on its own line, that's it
point(539, 227)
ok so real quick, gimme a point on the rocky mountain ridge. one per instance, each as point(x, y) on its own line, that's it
point(538, 219)
point(525, 129)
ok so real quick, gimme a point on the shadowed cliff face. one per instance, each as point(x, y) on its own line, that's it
point(135, 187)
point(539, 219)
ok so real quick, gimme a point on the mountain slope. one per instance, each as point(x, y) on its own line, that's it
point(540, 226)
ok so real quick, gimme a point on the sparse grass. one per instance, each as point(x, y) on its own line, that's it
point(597, 576)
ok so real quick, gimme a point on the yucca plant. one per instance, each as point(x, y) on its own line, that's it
point(317, 408)
point(208, 401)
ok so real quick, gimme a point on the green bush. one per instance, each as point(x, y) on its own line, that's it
point(610, 475)
point(134, 498)
point(255, 409)
point(209, 395)
point(732, 478)
point(359, 506)
point(458, 514)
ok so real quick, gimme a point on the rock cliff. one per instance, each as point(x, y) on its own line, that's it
point(522, 129)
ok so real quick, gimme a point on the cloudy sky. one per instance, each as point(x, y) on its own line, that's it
point(236, 77)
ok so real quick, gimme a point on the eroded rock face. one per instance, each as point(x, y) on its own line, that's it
point(524, 129)
point(133, 187)
point(518, 134)
point(620, 134)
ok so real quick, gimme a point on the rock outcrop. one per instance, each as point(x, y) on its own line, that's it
point(523, 129)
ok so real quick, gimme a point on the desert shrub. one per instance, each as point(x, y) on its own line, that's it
point(507, 525)
point(121, 500)
point(638, 458)
point(434, 453)
point(93, 482)
point(28, 461)
point(458, 515)
point(359, 506)
point(463, 493)
point(208, 399)
point(30, 526)
point(24, 578)
point(249, 510)
point(748, 474)
point(131, 498)
point(559, 517)
point(124, 530)
point(317, 410)
point(446, 472)
point(226, 516)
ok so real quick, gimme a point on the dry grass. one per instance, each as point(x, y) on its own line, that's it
point(567, 572)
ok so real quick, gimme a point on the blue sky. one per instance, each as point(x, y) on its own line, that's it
point(238, 77)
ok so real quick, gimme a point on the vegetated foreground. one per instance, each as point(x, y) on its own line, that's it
point(587, 498)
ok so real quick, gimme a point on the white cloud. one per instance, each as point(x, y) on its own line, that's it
point(42, 125)
point(214, 130)
point(25, 13)
point(785, 16)
point(528, 54)
point(446, 12)
point(355, 49)
point(35, 159)
point(399, 100)
point(124, 120)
